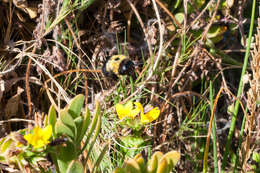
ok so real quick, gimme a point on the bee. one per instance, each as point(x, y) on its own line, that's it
point(59, 141)
point(118, 65)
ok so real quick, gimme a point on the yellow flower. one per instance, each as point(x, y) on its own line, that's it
point(127, 110)
point(149, 116)
point(39, 137)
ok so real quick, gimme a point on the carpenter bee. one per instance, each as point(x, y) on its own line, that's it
point(118, 65)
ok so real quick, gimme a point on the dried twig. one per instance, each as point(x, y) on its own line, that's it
point(210, 22)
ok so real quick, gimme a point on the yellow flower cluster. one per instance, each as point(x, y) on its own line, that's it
point(128, 110)
point(40, 137)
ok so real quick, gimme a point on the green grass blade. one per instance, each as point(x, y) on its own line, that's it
point(100, 158)
point(214, 135)
point(98, 127)
point(233, 123)
point(92, 128)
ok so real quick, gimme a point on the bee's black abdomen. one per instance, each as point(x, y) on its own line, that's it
point(104, 70)
point(126, 67)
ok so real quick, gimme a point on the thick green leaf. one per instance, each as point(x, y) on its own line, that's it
point(1, 141)
point(140, 160)
point(79, 123)
point(75, 167)
point(52, 118)
point(6, 145)
point(75, 106)
point(85, 125)
point(61, 129)
point(63, 166)
point(119, 170)
point(172, 158)
point(93, 126)
point(153, 162)
point(65, 154)
point(94, 137)
point(67, 120)
point(132, 166)
point(163, 167)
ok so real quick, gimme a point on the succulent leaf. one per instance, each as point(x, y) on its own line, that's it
point(75, 167)
point(74, 108)
point(61, 129)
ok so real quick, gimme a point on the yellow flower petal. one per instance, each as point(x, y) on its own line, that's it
point(120, 110)
point(132, 113)
point(129, 105)
point(139, 106)
point(28, 138)
point(47, 132)
point(150, 116)
point(126, 110)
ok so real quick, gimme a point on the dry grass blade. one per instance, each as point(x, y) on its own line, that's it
point(205, 159)
point(169, 13)
point(157, 59)
point(62, 73)
point(253, 98)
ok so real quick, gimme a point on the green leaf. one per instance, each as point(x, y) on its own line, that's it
point(94, 138)
point(75, 106)
point(153, 162)
point(52, 118)
point(172, 158)
point(100, 157)
point(79, 123)
point(132, 166)
point(215, 31)
point(92, 128)
point(256, 157)
point(6, 144)
point(61, 129)
point(119, 170)
point(131, 142)
point(65, 154)
point(2, 140)
point(177, 3)
point(86, 4)
point(2, 159)
point(163, 167)
point(179, 17)
point(85, 125)
point(67, 120)
point(199, 3)
point(75, 167)
point(140, 160)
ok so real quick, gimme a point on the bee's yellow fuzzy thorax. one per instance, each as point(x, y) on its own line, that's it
point(114, 63)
